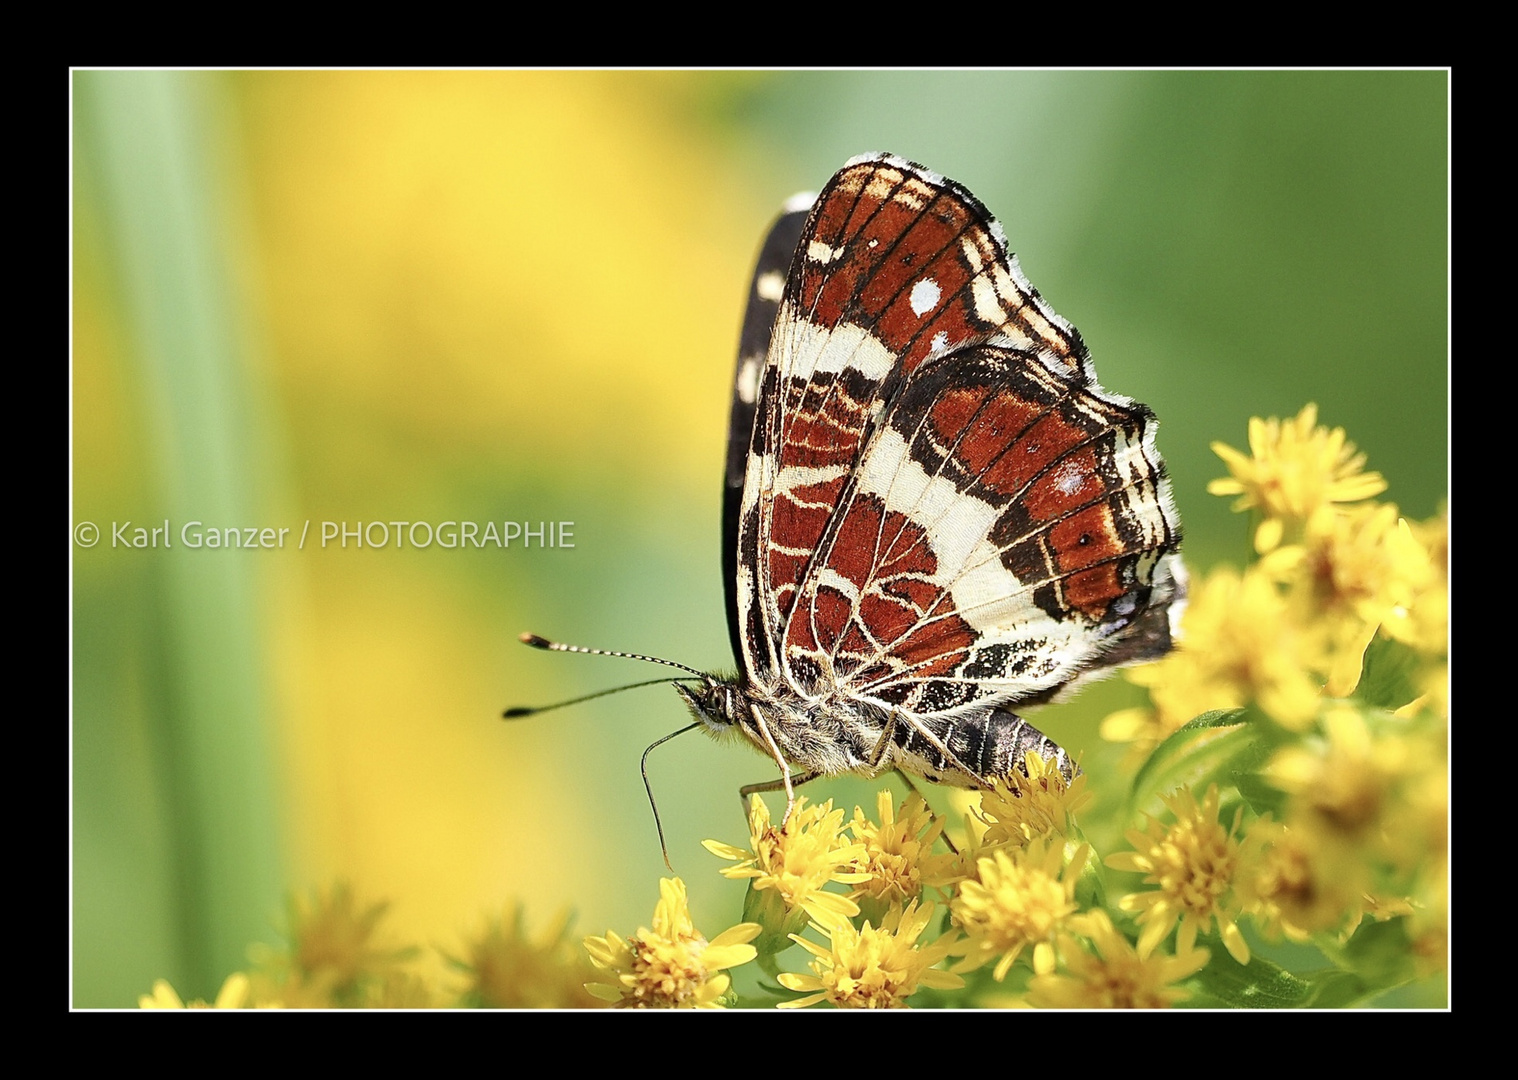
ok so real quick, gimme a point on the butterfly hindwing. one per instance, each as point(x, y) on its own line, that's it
point(940, 507)
point(996, 540)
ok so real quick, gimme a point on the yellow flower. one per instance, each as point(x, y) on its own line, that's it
point(1423, 622)
point(1364, 562)
point(670, 966)
point(1023, 807)
point(233, 995)
point(1239, 645)
point(1417, 820)
point(1360, 569)
point(1346, 783)
point(1377, 784)
point(1194, 863)
point(873, 968)
point(507, 970)
point(1380, 909)
point(898, 855)
point(795, 864)
point(1118, 977)
point(337, 957)
point(1429, 924)
point(1301, 881)
point(1020, 899)
point(1294, 467)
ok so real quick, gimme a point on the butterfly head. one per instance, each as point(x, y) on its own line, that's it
point(718, 703)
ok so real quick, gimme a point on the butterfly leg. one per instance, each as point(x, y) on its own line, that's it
point(911, 784)
point(882, 744)
point(877, 755)
point(775, 785)
point(785, 769)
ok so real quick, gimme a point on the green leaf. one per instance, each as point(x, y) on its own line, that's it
point(1225, 745)
point(1389, 677)
point(1261, 797)
point(1378, 952)
point(1259, 984)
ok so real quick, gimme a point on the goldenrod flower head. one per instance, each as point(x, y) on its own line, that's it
point(1376, 788)
point(1300, 881)
point(898, 855)
point(1193, 863)
point(1345, 782)
point(337, 957)
point(1239, 646)
point(1360, 568)
point(508, 970)
point(670, 966)
point(1363, 562)
point(1429, 924)
point(1023, 897)
point(233, 995)
point(1293, 468)
point(873, 968)
point(797, 862)
point(1023, 807)
point(1118, 977)
point(1421, 551)
point(1417, 821)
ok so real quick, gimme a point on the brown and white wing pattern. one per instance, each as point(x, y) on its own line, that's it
point(942, 511)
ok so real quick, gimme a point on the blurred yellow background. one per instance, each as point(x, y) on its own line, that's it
point(305, 297)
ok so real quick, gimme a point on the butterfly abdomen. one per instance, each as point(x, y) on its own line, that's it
point(982, 747)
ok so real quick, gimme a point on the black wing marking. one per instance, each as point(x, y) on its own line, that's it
point(764, 295)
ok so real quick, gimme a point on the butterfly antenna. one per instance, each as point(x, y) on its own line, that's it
point(554, 646)
point(518, 711)
point(643, 765)
point(558, 646)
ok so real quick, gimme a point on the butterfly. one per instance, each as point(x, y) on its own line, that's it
point(933, 513)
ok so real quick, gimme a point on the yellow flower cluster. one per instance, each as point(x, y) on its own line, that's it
point(1364, 830)
point(1359, 825)
point(1291, 632)
point(339, 956)
point(1320, 803)
point(880, 962)
point(1010, 892)
point(871, 968)
point(1116, 976)
point(898, 856)
point(506, 969)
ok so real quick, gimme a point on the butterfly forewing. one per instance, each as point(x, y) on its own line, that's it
point(941, 508)
point(764, 296)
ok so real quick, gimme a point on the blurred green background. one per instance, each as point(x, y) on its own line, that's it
point(497, 296)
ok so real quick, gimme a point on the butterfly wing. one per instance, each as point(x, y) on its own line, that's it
point(941, 507)
point(764, 295)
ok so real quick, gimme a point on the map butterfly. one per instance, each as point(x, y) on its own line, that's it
point(933, 513)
